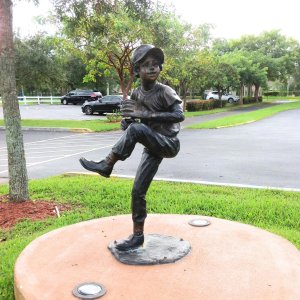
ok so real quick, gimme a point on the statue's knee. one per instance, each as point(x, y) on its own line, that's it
point(136, 129)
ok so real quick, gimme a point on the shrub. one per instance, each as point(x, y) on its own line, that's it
point(114, 117)
point(219, 103)
point(271, 93)
point(198, 105)
point(194, 105)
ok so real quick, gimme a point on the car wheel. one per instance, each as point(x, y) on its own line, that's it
point(211, 98)
point(88, 110)
point(65, 102)
point(230, 100)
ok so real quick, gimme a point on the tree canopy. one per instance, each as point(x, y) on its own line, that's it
point(97, 39)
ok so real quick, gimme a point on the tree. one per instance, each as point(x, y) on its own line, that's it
point(18, 181)
point(273, 50)
point(37, 66)
point(48, 65)
point(115, 29)
point(222, 75)
point(107, 33)
point(187, 57)
point(250, 70)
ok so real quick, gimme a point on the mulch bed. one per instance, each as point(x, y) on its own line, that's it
point(13, 212)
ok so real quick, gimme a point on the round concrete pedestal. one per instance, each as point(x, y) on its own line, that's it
point(228, 260)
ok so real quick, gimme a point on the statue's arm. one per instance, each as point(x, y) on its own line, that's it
point(174, 115)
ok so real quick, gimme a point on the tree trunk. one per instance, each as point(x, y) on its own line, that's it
point(241, 94)
point(220, 93)
point(183, 88)
point(256, 92)
point(18, 181)
point(249, 91)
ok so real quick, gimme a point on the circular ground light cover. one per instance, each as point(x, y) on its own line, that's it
point(228, 260)
point(157, 249)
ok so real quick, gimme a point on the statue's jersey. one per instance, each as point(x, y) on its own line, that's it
point(160, 99)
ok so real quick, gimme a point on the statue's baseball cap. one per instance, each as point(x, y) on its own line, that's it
point(147, 49)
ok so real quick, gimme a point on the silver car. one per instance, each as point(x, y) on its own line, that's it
point(225, 97)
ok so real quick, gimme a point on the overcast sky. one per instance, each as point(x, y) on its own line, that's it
point(231, 18)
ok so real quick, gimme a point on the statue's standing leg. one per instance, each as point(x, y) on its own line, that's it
point(146, 171)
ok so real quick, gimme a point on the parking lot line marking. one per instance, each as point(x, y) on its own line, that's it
point(46, 140)
point(91, 137)
point(55, 151)
point(61, 157)
point(75, 141)
point(39, 157)
point(63, 147)
point(64, 156)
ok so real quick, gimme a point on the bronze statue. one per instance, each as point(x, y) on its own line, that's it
point(151, 117)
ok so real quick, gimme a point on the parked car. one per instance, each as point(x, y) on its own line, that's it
point(225, 97)
point(80, 96)
point(107, 104)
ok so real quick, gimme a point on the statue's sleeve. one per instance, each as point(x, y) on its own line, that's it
point(173, 115)
point(170, 96)
point(174, 110)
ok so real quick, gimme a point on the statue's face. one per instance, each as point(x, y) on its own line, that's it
point(149, 69)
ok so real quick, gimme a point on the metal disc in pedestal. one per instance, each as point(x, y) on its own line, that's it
point(199, 222)
point(89, 290)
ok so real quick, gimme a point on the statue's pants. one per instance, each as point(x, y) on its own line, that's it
point(157, 147)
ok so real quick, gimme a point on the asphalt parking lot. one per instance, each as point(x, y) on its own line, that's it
point(45, 150)
point(53, 112)
point(261, 154)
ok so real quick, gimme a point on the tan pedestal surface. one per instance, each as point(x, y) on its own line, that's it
point(228, 260)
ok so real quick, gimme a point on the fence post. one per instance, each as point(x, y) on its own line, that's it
point(24, 99)
point(39, 102)
point(51, 101)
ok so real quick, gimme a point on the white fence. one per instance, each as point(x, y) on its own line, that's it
point(37, 99)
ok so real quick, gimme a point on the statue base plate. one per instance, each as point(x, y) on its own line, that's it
point(157, 249)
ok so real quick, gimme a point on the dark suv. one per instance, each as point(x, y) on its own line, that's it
point(80, 96)
point(107, 104)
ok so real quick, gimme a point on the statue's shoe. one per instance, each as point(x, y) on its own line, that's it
point(131, 243)
point(102, 167)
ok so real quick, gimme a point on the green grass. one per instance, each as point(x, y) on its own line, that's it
point(273, 210)
point(274, 98)
point(93, 125)
point(246, 117)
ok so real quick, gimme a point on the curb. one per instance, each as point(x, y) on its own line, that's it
point(79, 130)
point(238, 185)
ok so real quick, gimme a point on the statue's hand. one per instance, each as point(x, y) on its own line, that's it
point(126, 122)
point(127, 106)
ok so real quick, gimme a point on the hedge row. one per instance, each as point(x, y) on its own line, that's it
point(198, 105)
point(282, 93)
point(271, 93)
